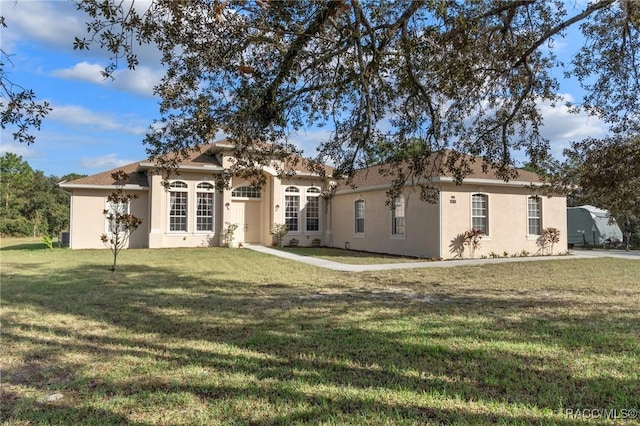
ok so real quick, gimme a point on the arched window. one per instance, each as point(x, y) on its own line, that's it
point(178, 206)
point(534, 215)
point(204, 207)
point(291, 207)
point(313, 209)
point(359, 216)
point(480, 213)
point(246, 192)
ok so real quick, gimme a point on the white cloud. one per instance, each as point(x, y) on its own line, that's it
point(22, 150)
point(53, 25)
point(79, 116)
point(562, 127)
point(82, 71)
point(140, 81)
point(309, 140)
point(48, 22)
point(104, 162)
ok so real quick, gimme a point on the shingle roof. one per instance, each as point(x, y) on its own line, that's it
point(367, 177)
point(372, 176)
point(137, 176)
point(202, 157)
point(105, 179)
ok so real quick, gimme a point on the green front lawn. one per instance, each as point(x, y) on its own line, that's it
point(352, 257)
point(219, 336)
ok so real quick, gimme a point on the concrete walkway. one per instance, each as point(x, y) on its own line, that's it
point(343, 267)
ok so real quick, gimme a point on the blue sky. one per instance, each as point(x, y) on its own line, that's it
point(99, 124)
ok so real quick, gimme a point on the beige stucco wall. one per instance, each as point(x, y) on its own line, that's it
point(88, 221)
point(159, 233)
point(304, 237)
point(508, 221)
point(153, 207)
point(258, 213)
point(432, 230)
point(421, 238)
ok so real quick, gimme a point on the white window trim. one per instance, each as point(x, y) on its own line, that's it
point(212, 191)
point(487, 236)
point(398, 236)
point(233, 197)
point(530, 236)
point(315, 195)
point(364, 219)
point(169, 191)
point(107, 206)
point(300, 204)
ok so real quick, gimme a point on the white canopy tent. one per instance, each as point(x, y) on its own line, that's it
point(589, 225)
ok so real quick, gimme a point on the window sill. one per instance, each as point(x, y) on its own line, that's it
point(533, 237)
point(360, 235)
point(398, 236)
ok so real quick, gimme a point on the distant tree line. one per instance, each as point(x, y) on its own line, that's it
point(31, 204)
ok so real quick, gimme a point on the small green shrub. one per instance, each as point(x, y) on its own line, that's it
point(472, 238)
point(48, 241)
point(550, 236)
point(229, 233)
point(279, 230)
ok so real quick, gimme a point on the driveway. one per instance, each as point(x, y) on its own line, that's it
point(622, 254)
point(336, 266)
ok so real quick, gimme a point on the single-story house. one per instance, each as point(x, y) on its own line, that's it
point(189, 211)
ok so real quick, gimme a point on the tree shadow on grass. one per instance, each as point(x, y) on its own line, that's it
point(281, 381)
point(289, 345)
point(39, 246)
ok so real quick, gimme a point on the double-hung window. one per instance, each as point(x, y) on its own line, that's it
point(397, 217)
point(534, 215)
point(359, 216)
point(480, 213)
point(313, 209)
point(204, 207)
point(178, 206)
point(291, 208)
point(114, 216)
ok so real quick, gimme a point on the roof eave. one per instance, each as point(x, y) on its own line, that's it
point(447, 179)
point(148, 165)
point(128, 187)
point(487, 181)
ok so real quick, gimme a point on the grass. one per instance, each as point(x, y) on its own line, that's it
point(217, 336)
point(352, 257)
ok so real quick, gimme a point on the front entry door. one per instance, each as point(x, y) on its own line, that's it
point(247, 214)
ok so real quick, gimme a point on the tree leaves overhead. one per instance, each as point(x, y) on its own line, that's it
point(605, 173)
point(464, 75)
point(18, 105)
